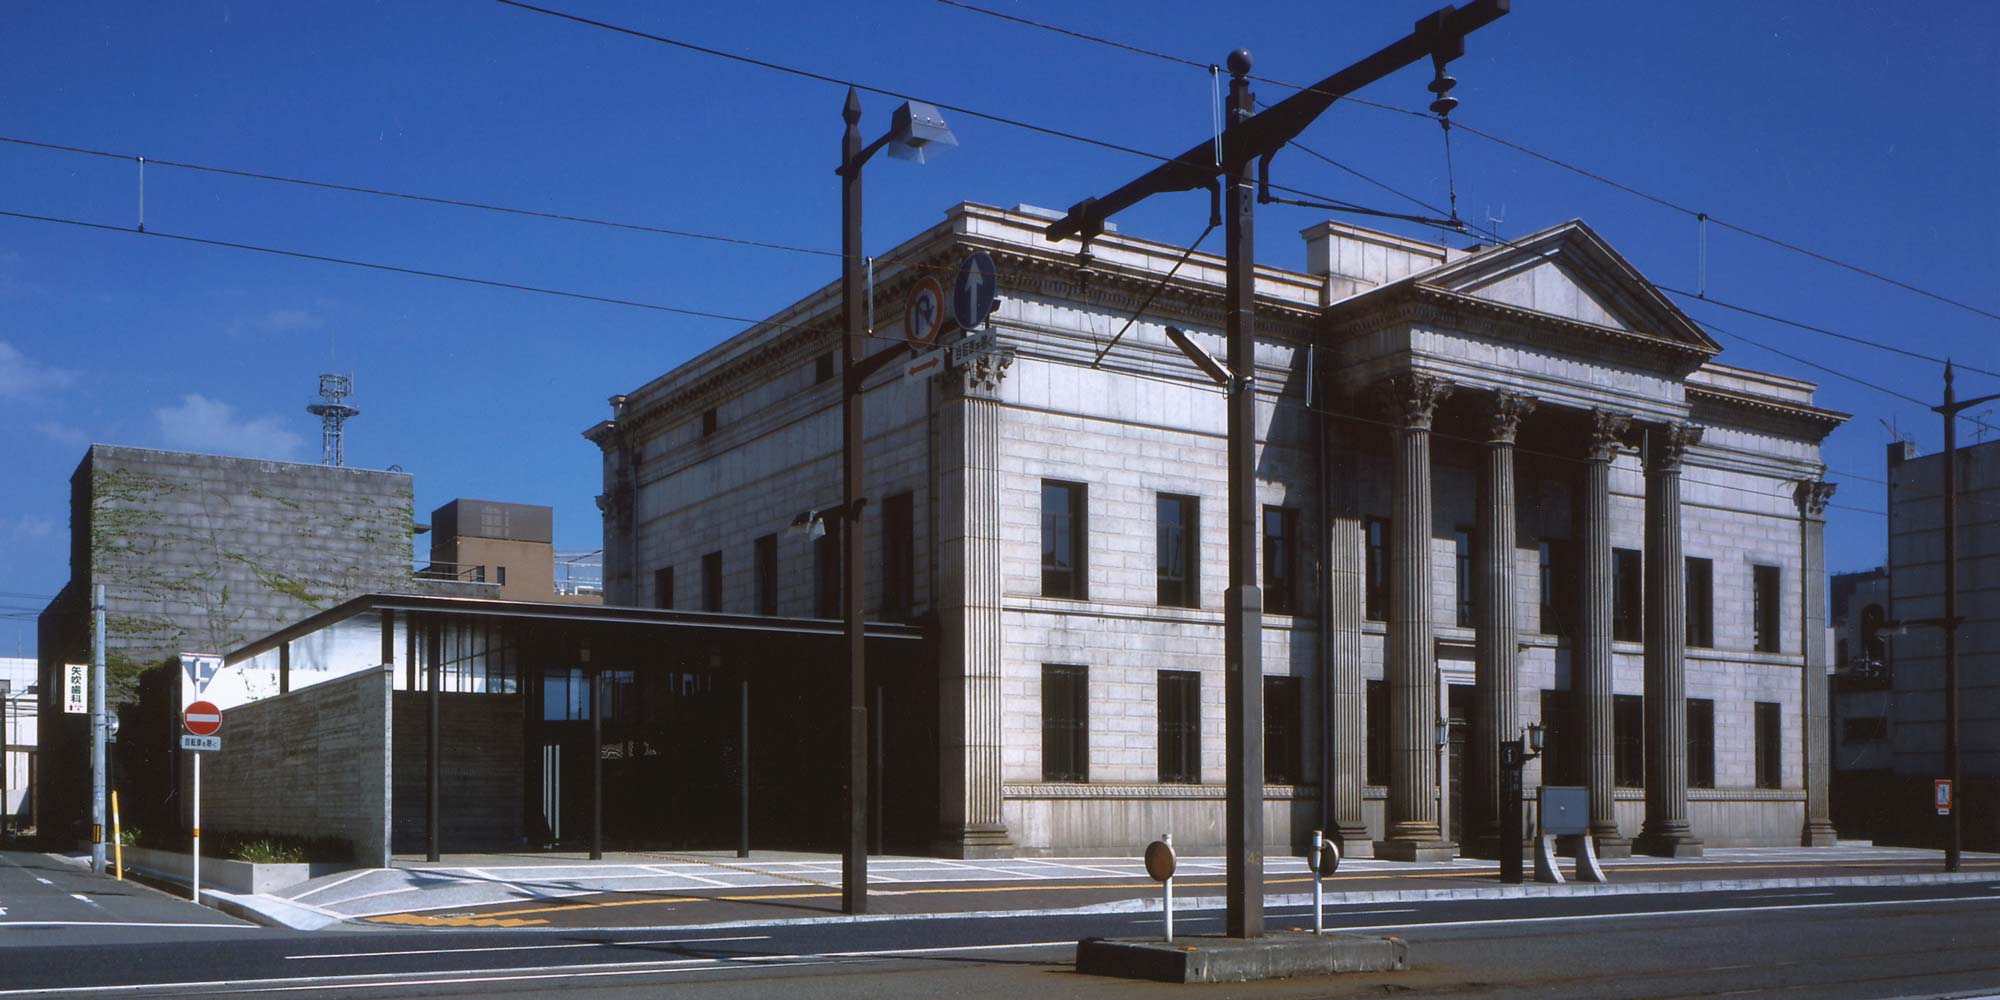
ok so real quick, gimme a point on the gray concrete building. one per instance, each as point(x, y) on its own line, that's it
point(1499, 486)
point(1913, 702)
point(1863, 699)
point(198, 553)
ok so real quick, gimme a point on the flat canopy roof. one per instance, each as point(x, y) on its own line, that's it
point(572, 614)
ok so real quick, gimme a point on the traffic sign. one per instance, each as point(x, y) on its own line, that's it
point(1160, 861)
point(201, 744)
point(924, 314)
point(929, 364)
point(202, 718)
point(1942, 791)
point(972, 298)
point(76, 688)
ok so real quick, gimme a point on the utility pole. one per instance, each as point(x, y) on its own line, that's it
point(1254, 139)
point(1955, 830)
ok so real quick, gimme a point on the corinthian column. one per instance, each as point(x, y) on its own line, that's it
point(1591, 663)
point(1812, 496)
point(1496, 691)
point(968, 550)
point(1412, 828)
point(1666, 831)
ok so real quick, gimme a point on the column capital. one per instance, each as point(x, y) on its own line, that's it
point(1607, 434)
point(979, 376)
point(1412, 398)
point(1812, 496)
point(1504, 419)
point(1670, 445)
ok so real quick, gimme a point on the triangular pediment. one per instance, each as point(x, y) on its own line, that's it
point(1569, 273)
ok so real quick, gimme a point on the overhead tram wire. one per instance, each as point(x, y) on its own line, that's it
point(1517, 147)
point(1850, 338)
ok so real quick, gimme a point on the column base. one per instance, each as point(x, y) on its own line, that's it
point(973, 843)
point(1670, 843)
point(1415, 850)
point(1354, 842)
point(1818, 833)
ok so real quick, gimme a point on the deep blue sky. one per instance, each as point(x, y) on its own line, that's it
point(1862, 130)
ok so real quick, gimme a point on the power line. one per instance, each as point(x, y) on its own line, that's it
point(1517, 147)
point(1850, 338)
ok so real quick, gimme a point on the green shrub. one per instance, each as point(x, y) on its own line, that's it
point(268, 851)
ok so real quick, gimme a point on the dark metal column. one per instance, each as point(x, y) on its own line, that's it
point(433, 740)
point(596, 764)
point(743, 767)
point(1243, 608)
point(285, 666)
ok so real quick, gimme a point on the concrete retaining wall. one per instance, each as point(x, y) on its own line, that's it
point(311, 763)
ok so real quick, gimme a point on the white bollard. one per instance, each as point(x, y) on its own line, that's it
point(1169, 884)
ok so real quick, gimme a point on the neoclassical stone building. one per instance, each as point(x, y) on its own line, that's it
point(1499, 486)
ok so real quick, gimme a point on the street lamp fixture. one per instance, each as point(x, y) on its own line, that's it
point(917, 131)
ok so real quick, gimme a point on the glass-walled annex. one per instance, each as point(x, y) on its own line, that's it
point(536, 706)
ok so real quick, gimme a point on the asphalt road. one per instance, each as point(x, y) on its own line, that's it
point(1861, 942)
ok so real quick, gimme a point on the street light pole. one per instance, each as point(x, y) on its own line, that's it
point(1252, 140)
point(916, 129)
point(1954, 831)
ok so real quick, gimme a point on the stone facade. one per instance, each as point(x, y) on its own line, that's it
point(1406, 392)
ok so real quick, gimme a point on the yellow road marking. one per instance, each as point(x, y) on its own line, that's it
point(510, 918)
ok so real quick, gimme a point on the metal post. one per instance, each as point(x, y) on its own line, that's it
point(194, 880)
point(97, 717)
point(1243, 611)
point(854, 859)
point(6, 718)
point(743, 768)
point(875, 774)
point(596, 764)
point(1953, 829)
point(1319, 896)
point(433, 745)
point(1167, 886)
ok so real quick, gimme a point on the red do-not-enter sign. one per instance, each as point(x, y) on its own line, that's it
point(202, 718)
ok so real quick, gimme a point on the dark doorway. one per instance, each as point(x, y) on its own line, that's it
point(1459, 699)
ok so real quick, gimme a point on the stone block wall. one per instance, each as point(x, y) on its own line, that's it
point(311, 763)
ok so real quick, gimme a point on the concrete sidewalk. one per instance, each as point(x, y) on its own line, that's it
point(683, 889)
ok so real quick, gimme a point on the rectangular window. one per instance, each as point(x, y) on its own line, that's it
point(1281, 575)
point(826, 575)
point(823, 368)
point(1701, 743)
point(1180, 727)
point(711, 582)
point(1562, 741)
point(1700, 602)
point(1376, 569)
point(500, 575)
point(1764, 605)
point(1283, 756)
point(1770, 766)
point(767, 574)
point(1177, 534)
point(708, 421)
point(1628, 741)
point(1462, 563)
point(663, 587)
point(1376, 765)
point(899, 569)
point(1556, 587)
point(1064, 530)
point(1065, 723)
point(1628, 602)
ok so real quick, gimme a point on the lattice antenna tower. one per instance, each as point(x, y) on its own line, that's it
point(332, 411)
